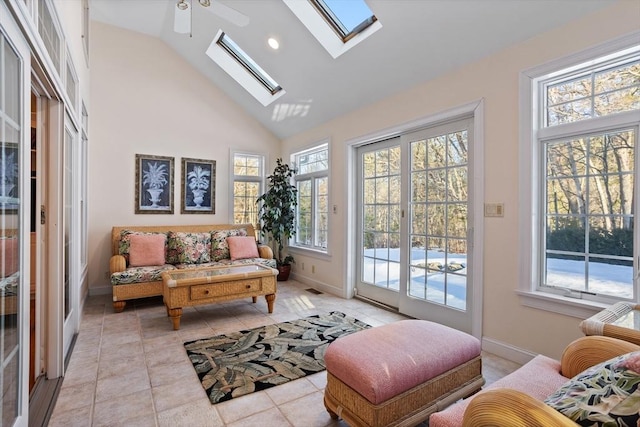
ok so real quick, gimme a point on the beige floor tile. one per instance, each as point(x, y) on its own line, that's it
point(119, 352)
point(319, 380)
point(169, 355)
point(194, 414)
point(291, 391)
point(308, 411)
point(271, 417)
point(123, 384)
point(121, 366)
point(81, 373)
point(177, 394)
point(143, 420)
point(241, 407)
point(146, 378)
point(171, 373)
point(76, 396)
point(79, 417)
point(122, 408)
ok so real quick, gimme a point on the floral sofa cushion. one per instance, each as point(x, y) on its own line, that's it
point(267, 262)
point(219, 246)
point(607, 394)
point(188, 248)
point(140, 274)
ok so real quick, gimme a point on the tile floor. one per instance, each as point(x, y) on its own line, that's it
point(131, 369)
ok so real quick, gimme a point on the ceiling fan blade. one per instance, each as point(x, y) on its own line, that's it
point(228, 13)
point(182, 20)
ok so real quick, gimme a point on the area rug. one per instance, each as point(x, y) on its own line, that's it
point(240, 363)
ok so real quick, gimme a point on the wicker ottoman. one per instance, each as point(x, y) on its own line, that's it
point(400, 373)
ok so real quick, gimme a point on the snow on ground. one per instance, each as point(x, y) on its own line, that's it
point(614, 280)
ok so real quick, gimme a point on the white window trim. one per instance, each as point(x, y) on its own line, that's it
point(322, 31)
point(244, 78)
point(529, 183)
point(232, 176)
point(311, 148)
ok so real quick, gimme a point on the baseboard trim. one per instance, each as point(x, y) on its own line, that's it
point(507, 351)
point(320, 286)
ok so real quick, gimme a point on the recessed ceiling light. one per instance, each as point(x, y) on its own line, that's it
point(273, 43)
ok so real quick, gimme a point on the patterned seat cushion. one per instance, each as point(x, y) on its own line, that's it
point(140, 274)
point(607, 394)
point(263, 261)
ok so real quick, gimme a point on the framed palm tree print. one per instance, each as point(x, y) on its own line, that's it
point(154, 184)
point(198, 186)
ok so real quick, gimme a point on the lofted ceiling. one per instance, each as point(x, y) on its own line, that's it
point(419, 40)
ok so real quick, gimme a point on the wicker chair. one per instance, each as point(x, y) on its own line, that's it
point(501, 404)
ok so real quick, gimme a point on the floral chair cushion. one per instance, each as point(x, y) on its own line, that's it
point(140, 274)
point(219, 246)
point(607, 394)
point(188, 248)
point(124, 246)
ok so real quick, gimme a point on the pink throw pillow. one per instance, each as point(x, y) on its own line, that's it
point(242, 247)
point(146, 249)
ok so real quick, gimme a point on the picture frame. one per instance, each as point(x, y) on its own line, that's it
point(198, 186)
point(154, 184)
point(9, 177)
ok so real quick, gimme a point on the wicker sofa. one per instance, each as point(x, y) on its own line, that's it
point(519, 398)
point(140, 281)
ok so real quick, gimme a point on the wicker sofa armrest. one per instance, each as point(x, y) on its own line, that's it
point(508, 407)
point(117, 263)
point(265, 252)
point(588, 351)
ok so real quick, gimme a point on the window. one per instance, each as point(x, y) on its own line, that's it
point(583, 199)
point(347, 18)
point(338, 25)
point(49, 33)
point(312, 212)
point(248, 179)
point(71, 83)
point(244, 70)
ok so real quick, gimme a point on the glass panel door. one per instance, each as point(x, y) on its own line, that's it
point(14, 174)
point(379, 212)
point(70, 265)
point(438, 232)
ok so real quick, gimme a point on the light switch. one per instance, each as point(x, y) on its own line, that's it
point(494, 209)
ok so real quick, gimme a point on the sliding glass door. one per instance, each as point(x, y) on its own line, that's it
point(14, 213)
point(414, 215)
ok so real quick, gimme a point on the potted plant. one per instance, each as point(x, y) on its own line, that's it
point(277, 214)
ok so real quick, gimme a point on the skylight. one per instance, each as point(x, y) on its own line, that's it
point(228, 55)
point(347, 18)
point(338, 25)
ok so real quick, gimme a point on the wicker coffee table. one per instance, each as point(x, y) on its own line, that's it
point(199, 286)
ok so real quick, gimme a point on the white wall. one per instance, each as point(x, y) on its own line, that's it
point(147, 100)
point(496, 80)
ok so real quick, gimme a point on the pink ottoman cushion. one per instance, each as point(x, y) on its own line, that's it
point(380, 363)
point(538, 378)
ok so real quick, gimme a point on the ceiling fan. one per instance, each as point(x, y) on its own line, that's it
point(182, 19)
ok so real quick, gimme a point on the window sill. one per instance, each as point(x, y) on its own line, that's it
point(581, 309)
point(309, 252)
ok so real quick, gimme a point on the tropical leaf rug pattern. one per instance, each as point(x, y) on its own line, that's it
point(240, 363)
